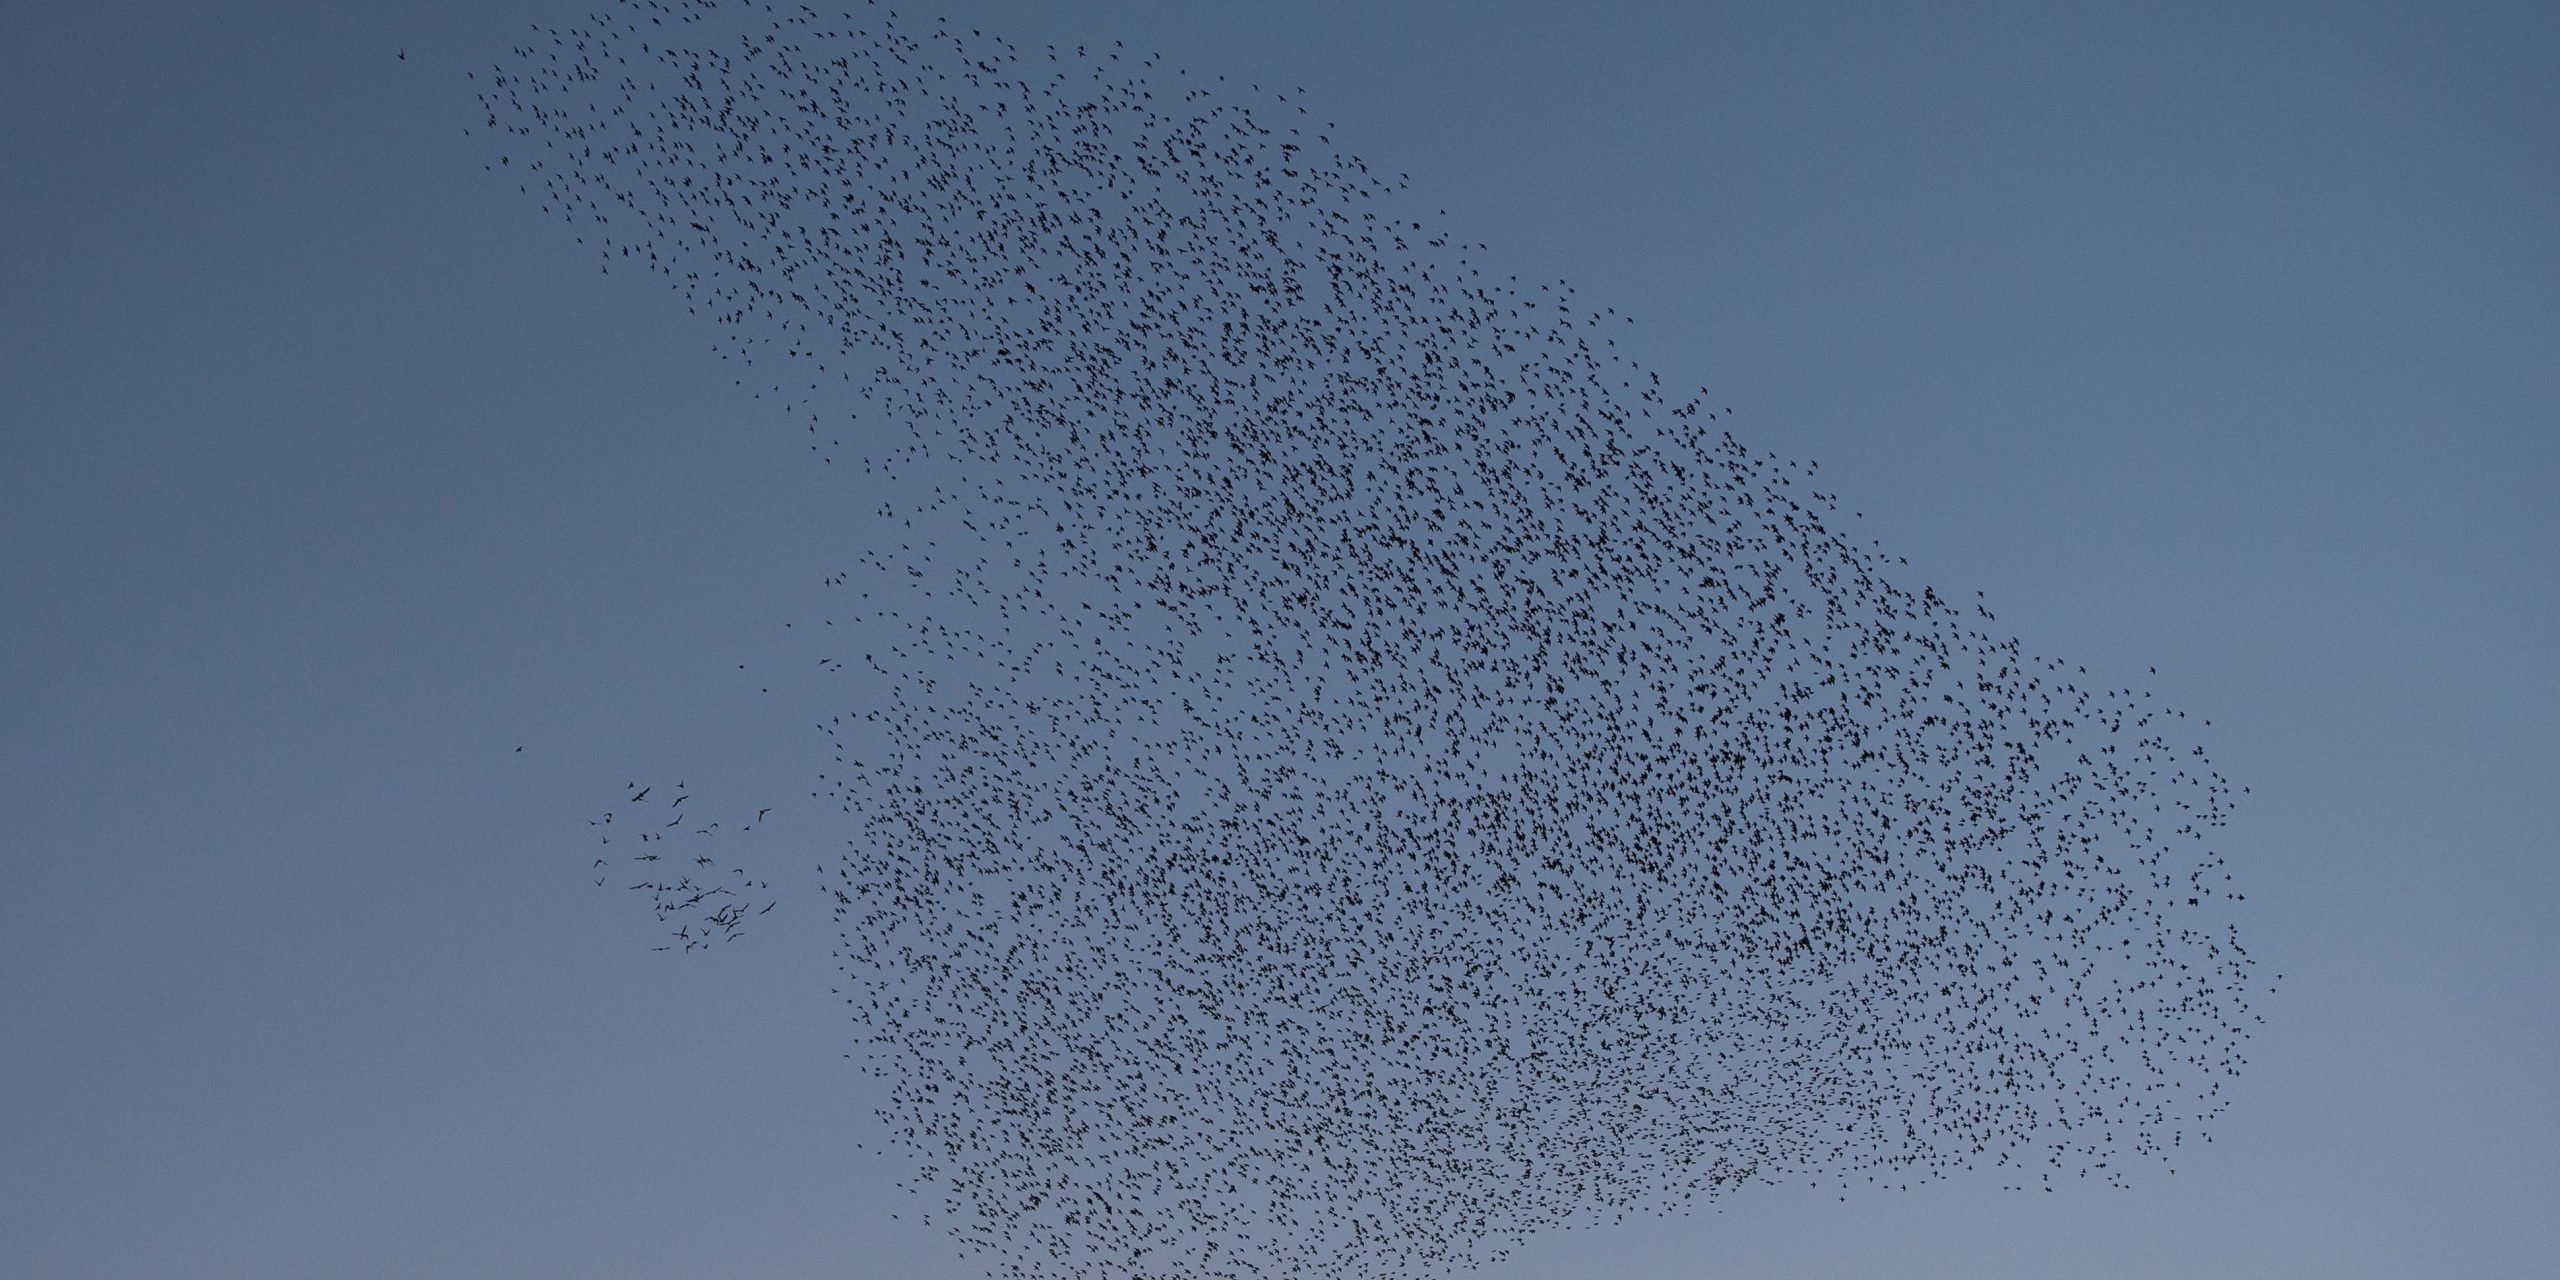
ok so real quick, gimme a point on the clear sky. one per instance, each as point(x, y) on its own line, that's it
point(2221, 339)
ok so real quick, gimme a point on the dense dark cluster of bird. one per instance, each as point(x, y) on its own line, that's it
point(1346, 770)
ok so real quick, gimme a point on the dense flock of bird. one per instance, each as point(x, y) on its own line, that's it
point(1344, 769)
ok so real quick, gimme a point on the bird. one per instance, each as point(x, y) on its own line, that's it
point(1346, 771)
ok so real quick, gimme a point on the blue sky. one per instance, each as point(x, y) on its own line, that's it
point(2216, 339)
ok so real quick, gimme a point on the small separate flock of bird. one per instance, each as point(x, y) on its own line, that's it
point(1344, 770)
point(708, 905)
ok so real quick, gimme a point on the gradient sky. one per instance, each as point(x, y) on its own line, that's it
point(2218, 338)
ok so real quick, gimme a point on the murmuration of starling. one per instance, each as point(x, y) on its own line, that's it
point(1343, 770)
